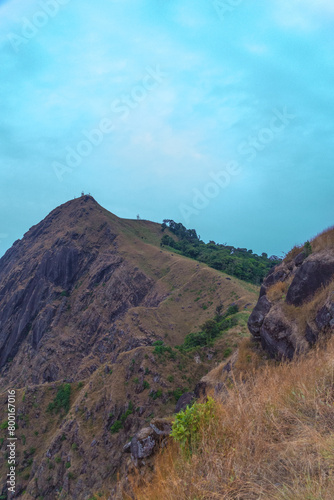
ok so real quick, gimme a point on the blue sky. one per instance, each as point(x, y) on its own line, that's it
point(217, 114)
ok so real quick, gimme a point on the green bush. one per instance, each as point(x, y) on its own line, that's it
point(116, 427)
point(187, 423)
point(146, 385)
point(62, 399)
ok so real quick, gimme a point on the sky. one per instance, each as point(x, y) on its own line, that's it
point(215, 113)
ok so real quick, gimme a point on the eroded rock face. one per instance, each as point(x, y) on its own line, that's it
point(311, 275)
point(61, 288)
point(304, 276)
point(258, 315)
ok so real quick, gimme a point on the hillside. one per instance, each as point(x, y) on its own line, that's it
point(269, 431)
point(91, 310)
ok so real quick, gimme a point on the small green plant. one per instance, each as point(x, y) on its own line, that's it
point(64, 293)
point(146, 385)
point(80, 384)
point(156, 394)
point(177, 394)
point(57, 460)
point(74, 446)
point(170, 378)
point(117, 426)
point(187, 423)
point(136, 380)
point(227, 352)
point(307, 248)
point(68, 465)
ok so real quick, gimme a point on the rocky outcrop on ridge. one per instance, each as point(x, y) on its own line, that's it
point(296, 304)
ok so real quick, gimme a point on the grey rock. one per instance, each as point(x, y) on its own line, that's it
point(258, 315)
point(310, 276)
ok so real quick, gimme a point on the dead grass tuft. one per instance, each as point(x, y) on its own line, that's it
point(324, 240)
point(293, 253)
point(278, 291)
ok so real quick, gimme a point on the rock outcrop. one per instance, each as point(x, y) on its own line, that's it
point(296, 304)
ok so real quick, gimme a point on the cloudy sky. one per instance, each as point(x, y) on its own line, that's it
point(217, 114)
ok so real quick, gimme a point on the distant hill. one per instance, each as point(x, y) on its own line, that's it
point(239, 262)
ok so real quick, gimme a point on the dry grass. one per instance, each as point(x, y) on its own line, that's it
point(272, 438)
point(278, 290)
point(293, 253)
point(324, 240)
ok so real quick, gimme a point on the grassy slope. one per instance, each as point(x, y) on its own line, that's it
point(271, 438)
point(273, 433)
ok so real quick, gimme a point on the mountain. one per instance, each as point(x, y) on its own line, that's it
point(91, 310)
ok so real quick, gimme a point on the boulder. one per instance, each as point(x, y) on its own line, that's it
point(161, 426)
point(185, 400)
point(276, 336)
point(258, 315)
point(143, 443)
point(325, 316)
point(310, 276)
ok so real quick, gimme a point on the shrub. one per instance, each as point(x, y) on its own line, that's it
point(146, 385)
point(62, 399)
point(307, 248)
point(116, 427)
point(187, 423)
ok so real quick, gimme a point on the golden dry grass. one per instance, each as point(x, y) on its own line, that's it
point(272, 438)
point(278, 290)
point(324, 240)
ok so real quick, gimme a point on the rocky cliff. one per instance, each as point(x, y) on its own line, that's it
point(296, 304)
